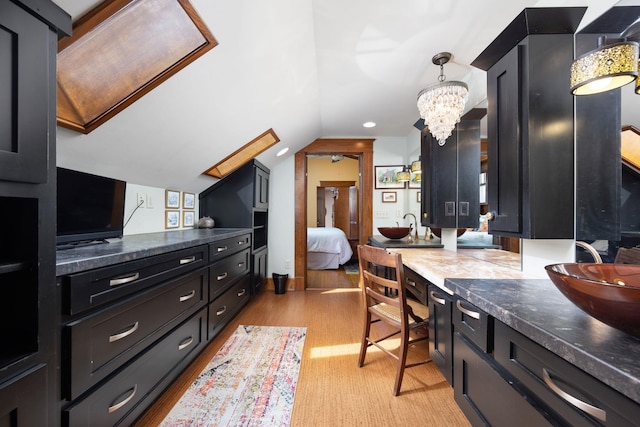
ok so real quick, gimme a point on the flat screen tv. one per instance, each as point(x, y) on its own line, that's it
point(90, 208)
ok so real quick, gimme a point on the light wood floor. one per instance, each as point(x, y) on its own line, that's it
point(330, 279)
point(332, 390)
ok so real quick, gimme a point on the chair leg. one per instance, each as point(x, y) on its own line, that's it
point(365, 343)
point(402, 360)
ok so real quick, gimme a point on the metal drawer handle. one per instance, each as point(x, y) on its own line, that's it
point(242, 242)
point(221, 311)
point(222, 248)
point(185, 343)
point(440, 301)
point(241, 264)
point(126, 333)
point(583, 406)
point(242, 292)
point(473, 314)
point(187, 260)
point(188, 296)
point(123, 280)
point(125, 401)
point(410, 282)
point(223, 276)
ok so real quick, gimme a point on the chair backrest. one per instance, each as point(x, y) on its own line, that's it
point(628, 256)
point(382, 277)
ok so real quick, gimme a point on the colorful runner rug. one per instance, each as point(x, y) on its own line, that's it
point(251, 381)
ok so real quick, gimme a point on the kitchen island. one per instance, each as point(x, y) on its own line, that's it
point(531, 305)
point(469, 240)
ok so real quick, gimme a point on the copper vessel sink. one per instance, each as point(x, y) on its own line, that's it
point(608, 292)
point(394, 232)
point(438, 231)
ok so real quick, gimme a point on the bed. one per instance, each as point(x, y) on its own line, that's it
point(327, 248)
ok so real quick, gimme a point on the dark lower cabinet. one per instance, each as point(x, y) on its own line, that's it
point(23, 399)
point(441, 331)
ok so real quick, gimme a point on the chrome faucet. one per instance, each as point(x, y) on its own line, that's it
point(415, 222)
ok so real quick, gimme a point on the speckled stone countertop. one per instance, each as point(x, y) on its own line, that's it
point(532, 305)
point(137, 246)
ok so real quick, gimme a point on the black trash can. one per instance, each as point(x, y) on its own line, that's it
point(280, 282)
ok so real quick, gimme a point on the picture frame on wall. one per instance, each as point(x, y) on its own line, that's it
point(414, 183)
point(387, 177)
point(188, 200)
point(188, 218)
point(418, 197)
point(389, 196)
point(171, 219)
point(172, 199)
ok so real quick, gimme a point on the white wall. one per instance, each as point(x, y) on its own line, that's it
point(281, 238)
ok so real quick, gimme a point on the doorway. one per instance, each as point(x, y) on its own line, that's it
point(360, 147)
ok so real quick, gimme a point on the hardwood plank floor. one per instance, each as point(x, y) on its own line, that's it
point(332, 390)
point(331, 279)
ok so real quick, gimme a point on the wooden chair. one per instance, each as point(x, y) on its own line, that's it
point(401, 314)
point(628, 256)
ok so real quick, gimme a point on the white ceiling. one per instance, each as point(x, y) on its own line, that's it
point(306, 68)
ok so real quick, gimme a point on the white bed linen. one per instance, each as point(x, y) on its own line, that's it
point(328, 240)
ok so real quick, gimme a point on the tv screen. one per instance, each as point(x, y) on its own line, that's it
point(90, 208)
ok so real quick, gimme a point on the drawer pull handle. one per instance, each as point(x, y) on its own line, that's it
point(439, 300)
point(123, 280)
point(124, 334)
point(583, 406)
point(223, 276)
point(221, 311)
point(241, 242)
point(185, 343)
point(411, 283)
point(472, 314)
point(222, 248)
point(117, 406)
point(187, 260)
point(188, 296)
point(242, 292)
point(241, 264)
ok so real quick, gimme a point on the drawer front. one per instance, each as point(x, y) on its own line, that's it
point(474, 323)
point(90, 289)
point(23, 399)
point(227, 305)
point(484, 396)
point(225, 247)
point(440, 331)
point(416, 285)
point(99, 344)
point(226, 271)
point(116, 401)
point(574, 396)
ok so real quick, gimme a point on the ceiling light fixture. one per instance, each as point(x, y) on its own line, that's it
point(610, 66)
point(416, 165)
point(404, 176)
point(441, 104)
point(369, 124)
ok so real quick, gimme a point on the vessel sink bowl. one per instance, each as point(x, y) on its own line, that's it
point(437, 231)
point(608, 292)
point(394, 232)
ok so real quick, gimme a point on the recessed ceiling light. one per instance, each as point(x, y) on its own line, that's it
point(281, 152)
point(369, 124)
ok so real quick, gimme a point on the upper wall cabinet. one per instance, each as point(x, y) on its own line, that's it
point(530, 125)
point(451, 184)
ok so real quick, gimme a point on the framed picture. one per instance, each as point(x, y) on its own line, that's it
point(188, 200)
point(171, 219)
point(389, 196)
point(419, 196)
point(172, 199)
point(414, 183)
point(188, 218)
point(386, 177)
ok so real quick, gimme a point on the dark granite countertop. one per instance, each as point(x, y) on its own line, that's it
point(538, 310)
point(137, 246)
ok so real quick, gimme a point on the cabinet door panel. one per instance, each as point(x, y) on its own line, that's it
point(440, 331)
point(23, 400)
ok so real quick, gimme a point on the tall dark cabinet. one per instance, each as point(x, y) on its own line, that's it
point(241, 200)
point(530, 130)
point(28, 298)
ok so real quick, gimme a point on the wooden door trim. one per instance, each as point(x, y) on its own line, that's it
point(361, 147)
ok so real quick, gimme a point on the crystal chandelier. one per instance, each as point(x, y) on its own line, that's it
point(441, 104)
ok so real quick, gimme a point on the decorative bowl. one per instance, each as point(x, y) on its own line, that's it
point(394, 232)
point(437, 231)
point(608, 292)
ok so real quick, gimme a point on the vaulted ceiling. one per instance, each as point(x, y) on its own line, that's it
point(305, 68)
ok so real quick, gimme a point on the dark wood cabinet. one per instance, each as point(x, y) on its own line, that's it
point(241, 199)
point(441, 331)
point(530, 128)
point(29, 33)
point(450, 183)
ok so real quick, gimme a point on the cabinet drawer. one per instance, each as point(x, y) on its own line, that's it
point(440, 331)
point(226, 271)
point(416, 285)
point(484, 396)
point(227, 305)
point(474, 323)
point(116, 401)
point(556, 383)
point(89, 289)
point(222, 248)
point(96, 345)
